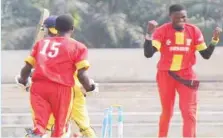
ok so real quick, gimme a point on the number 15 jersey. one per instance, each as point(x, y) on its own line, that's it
point(57, 58)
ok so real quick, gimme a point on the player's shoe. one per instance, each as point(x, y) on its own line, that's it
point(30, 134)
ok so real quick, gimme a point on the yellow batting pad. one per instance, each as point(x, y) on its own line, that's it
point(50, 122)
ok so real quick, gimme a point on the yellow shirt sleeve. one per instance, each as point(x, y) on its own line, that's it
point(31, 60)
point(82, 64)
point(156, 44)
point(157, 37)
point(201, 47)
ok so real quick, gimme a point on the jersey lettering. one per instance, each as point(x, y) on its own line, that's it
point(54, 49)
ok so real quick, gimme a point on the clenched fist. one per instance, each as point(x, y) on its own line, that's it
point(216, 33)
point(151, 26)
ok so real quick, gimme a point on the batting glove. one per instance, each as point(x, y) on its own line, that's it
point(22, 86)
point(95, 91)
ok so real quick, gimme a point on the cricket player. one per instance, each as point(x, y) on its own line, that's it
point(177, 42)
point(55, 61)
point(79, 112)
point(50, 24)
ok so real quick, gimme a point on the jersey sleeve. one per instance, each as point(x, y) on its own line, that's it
point(157, 38)
point(81, 58)
point(199, 40)
point(31, 58)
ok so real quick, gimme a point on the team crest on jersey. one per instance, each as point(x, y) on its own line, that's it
point(188, 42)
point(168, 42)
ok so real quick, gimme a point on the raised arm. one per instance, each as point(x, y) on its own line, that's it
point(153, 39)
point(205, 51)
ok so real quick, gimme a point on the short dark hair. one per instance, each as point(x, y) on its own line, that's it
point(176, 8)
point(64, 23)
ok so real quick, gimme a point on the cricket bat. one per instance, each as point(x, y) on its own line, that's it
point(40, 33)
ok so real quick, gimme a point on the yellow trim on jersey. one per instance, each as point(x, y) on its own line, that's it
point(82, 64)
point(176, 62)
point(156, 44)
point(31, 60)
point(179, 38)
point(201, 47)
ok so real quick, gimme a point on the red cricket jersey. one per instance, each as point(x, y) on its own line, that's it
point(177, 48)
point(57, 58)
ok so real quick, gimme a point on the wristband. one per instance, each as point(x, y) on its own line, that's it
point(214, 42)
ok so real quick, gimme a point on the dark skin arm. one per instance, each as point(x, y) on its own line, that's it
point(25, 73)
point(84, 79)
point(206, 54)
point(149, 50)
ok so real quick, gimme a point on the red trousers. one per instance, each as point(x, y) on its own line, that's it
point(187, 102)
point(46, 98)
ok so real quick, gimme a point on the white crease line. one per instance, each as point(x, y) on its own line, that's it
point(156, 106)
point(126, 113)
point(207, 124)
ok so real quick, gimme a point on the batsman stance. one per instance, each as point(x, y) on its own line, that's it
point(177, 43)
point(79, 111)
point(56, 60)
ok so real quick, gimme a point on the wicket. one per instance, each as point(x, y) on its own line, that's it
point(107, 122)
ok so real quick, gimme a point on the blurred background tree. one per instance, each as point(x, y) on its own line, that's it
point(103, 23)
